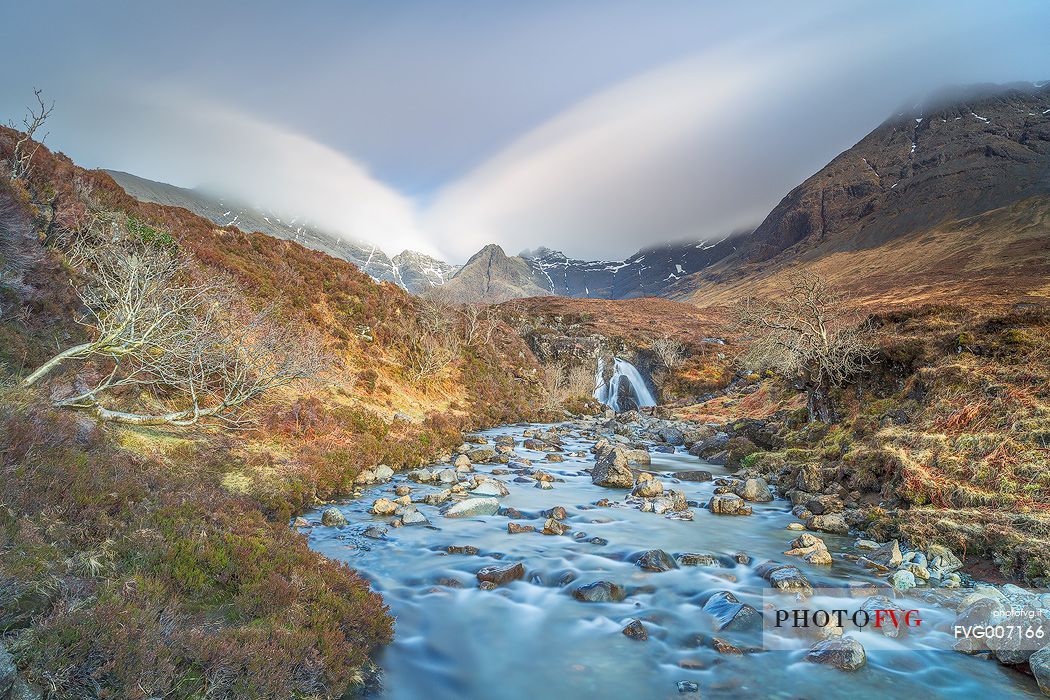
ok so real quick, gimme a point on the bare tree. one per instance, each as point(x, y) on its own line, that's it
point(187, 347)
point(808, 334)
point(668, 351)
point(434, 342)
point(26, 144)
point(560, 382)
point(479, 323)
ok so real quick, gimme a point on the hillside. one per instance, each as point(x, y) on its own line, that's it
point(414, 271)
point(941, 200)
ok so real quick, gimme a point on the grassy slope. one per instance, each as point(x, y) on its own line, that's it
point(991, 260)
point(946, 439)
point(142, 562)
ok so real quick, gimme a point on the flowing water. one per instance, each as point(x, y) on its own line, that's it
point(532, 639)
point(608, 393)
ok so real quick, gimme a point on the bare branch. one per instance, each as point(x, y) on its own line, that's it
point(809, 334)
point(27, 144)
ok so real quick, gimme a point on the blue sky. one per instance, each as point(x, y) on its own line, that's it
point(592, 127)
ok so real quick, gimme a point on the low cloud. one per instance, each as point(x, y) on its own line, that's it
point(197, 142)
point(693, 150)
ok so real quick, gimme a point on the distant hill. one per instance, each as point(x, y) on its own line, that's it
point(414, 271)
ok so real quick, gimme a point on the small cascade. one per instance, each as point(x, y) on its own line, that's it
point(625, 389)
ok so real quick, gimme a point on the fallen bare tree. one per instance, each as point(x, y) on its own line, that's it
point(807, 333)
point(185, 346)
point(26, 144)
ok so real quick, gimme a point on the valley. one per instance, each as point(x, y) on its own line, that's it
point(246, 456)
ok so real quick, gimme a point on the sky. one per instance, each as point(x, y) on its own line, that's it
point(592, 127)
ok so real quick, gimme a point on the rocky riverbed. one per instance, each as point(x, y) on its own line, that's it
point(600, 558)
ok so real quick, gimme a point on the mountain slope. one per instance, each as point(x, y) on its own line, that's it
point(492, 276)
point(649, 272)
point(418, 272)
point(414, 271)
point(955, 157)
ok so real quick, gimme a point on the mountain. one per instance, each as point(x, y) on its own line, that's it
point(419, 272)
point(649, 272)
point(492, 276)
point(414, 271)
point(974, 160)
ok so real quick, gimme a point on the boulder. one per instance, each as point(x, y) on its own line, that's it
point(423, 475)
point(753, 490)
point(436, 498)
point(610, 470)
point(730, 613)
point(784, 577)
point(499, 575)
point(694, 559)
point(887, 626)
point(844, 653)
point(650, 488)
point(638, 456)
point(517, 529)
point(491, 487)
point(600, 592)
point(1039, 663)
point(942, 560)
point(823, 505)
point(656, 560)
point(472, 507)
point(383, 506)
point(481, 454)
point(810, 479)
point(694, 475)
point(811, 548)
point(888, 555)
point(902, 580)
point(728, 504)
point(331, 517)
point(981, 612)
point(672, 436)
point(375, 532)
point(833, 523)
point(462, 462)
point(383, 473)
point(414, 517)
point(554, 527)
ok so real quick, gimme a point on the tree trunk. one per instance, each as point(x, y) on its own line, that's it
point(54, 362)
point(818, 404)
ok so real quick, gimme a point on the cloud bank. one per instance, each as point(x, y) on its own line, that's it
point(206, 144)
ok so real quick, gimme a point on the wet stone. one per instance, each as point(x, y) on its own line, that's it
point(332, 517)
point(600, 592)
point(636, 630)
point(500, 575)
point(844, 653)
point(657, 560)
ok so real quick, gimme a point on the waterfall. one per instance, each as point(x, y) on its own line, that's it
point(609, 392)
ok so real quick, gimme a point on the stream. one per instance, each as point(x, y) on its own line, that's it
point(530, 638)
